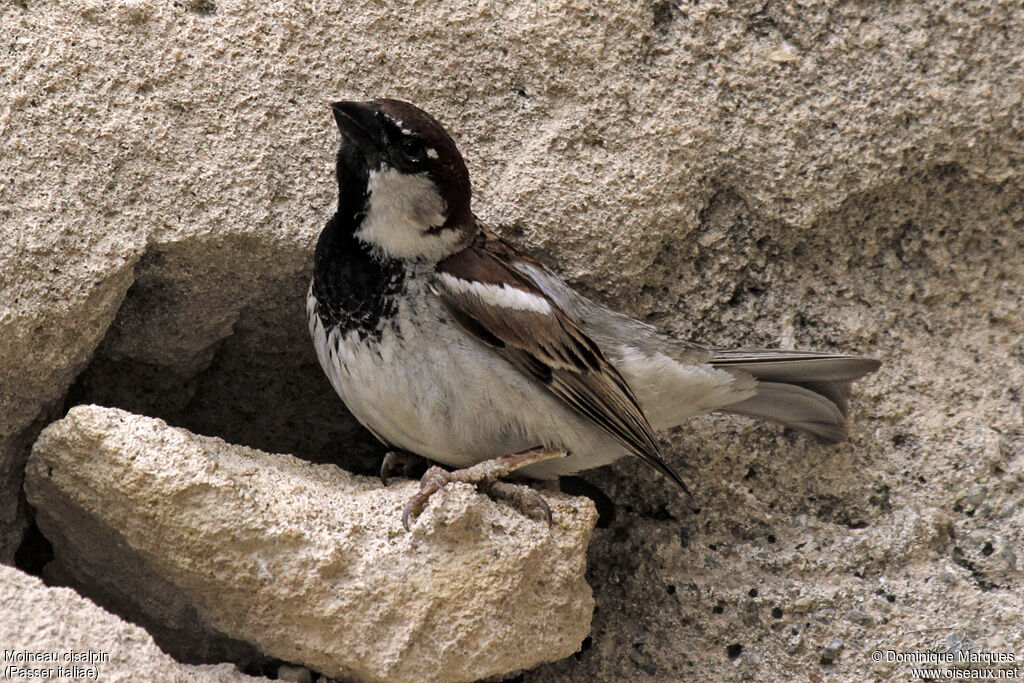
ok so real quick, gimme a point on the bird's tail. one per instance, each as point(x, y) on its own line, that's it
point(807, 391)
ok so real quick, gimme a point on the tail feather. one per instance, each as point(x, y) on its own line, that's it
point(781, 365)
point(837, 391)
point(794, 406)
point(808, 391)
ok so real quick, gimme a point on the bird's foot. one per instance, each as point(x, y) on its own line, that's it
point(485, 476)
point(395, 460)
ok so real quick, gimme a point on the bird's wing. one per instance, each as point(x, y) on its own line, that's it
point(498, 304)
point(617, 334)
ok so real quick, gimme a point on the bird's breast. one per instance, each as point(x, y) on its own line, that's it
point(425, 386)
point(354, 289)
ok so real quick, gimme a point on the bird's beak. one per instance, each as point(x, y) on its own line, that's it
point(360, 127)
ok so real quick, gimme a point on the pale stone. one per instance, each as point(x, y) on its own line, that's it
point(308, 562)
point(60, 624)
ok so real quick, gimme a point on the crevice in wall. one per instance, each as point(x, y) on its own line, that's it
point(211, 336)
point(206, 342)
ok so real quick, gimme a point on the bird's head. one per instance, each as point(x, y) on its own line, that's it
point(403, 179)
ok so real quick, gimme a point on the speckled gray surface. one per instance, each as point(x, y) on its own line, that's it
point(906, 538)
point(837, 175)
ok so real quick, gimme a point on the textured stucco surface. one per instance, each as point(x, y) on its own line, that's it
point(835, 175)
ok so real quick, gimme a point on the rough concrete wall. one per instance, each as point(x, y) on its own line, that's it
point(845, 176)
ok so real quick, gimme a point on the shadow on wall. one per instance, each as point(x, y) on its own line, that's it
point(181, 349)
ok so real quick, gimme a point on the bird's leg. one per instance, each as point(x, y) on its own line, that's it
point(399, 459)
point(485, 476)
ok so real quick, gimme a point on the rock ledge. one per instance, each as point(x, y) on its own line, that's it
point(307, 562)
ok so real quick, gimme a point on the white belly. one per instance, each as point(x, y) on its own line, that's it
point(429, 388)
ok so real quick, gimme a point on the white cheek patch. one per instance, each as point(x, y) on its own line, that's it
point(502, 296)
point(401, 209)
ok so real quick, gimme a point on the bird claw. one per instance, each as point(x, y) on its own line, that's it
point(432, 482)
point(520, 496)
point(485, 476)
point(393, 460)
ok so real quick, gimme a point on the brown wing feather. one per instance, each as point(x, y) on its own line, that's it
point(551, 347)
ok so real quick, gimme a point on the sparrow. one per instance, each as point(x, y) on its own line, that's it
point(448, 343)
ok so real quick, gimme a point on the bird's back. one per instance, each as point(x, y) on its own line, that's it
point(677, 379)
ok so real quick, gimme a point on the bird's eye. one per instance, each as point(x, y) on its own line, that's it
point(414, 148)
